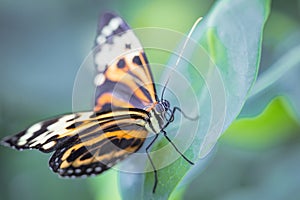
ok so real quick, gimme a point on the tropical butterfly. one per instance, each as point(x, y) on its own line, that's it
point(126, 109)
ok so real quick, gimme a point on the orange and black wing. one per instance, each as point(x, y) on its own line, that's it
point(124, 78)
point(88, 143)
point(85, 143)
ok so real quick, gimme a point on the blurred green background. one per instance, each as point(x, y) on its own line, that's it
point(42, 45)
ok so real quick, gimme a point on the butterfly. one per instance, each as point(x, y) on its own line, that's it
point(126, 109)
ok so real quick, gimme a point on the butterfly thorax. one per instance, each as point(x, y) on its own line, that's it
point(157, 113)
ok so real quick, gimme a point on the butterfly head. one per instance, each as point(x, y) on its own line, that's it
point(162, 106)
point(166, 104)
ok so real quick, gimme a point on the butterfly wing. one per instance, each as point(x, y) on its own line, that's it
point(85, 143)
point(124, 78)
point(90, 142)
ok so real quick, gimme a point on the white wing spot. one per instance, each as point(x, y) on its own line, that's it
point(57, 128)
point(29, 133)
point(61, 123)
point(88, 170)
point(106, 31)
point(77, 171)
point(85, 116)
point(115, 23)
point(100, 39)
point(99, 79)
point(98, 169)
point(70, 171)
point(34, 128)
point(49, 145)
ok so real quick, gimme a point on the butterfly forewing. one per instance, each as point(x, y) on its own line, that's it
point(85, 143)
point(47, 135)
point(124, 78)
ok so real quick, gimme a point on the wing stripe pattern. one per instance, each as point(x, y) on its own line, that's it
point(105, 150)
point(56, 132)
point(85, 143)
point(128, 85)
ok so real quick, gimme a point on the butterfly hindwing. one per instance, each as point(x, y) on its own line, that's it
point(93, 156)
point(124, 78)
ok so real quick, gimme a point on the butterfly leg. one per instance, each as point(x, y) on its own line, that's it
point(186, 116)
point(171, 119)
point(152, 164)
point(185, 158)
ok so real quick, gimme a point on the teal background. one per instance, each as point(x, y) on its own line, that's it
point(42, 45)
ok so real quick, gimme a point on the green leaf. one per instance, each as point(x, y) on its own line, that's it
point(273, 126)
point(280, 77)
point(105, 186)
point(230, 35)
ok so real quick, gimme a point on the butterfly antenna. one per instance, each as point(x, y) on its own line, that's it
point(181, 52)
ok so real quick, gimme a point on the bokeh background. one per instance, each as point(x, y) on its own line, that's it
point(42, 45)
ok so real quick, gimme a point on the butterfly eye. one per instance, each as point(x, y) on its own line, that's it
point(166, 104)
point(159, 108)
